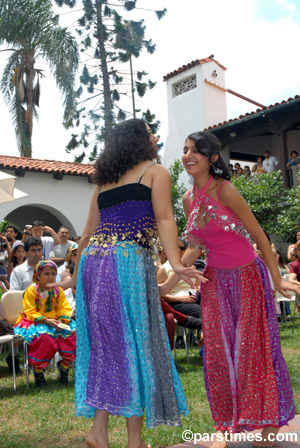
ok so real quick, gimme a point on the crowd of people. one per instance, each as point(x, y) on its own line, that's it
point(124, 364)
point(266, 164)
point(26, 265)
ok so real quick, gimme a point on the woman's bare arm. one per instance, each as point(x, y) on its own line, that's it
point(231, 198)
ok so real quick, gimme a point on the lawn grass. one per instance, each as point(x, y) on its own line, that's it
point(45, 418)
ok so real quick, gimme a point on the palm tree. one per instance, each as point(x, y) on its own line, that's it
point(30, 30)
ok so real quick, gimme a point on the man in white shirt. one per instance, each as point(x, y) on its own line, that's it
point(270, 163)
point(21, 276)
point(59, 253)
point(49, 242)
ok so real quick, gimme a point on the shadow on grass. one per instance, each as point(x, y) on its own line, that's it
point(6, 384)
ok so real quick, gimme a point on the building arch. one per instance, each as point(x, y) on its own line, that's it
point(28, 213)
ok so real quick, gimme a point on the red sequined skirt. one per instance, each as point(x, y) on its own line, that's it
point(246, 378)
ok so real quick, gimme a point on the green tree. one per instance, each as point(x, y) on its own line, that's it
point(275, 207)
point(113, 40)
point(31, 31)
point(177, 191)
point(289, 218)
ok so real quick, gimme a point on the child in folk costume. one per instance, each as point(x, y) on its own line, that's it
point(46, 324)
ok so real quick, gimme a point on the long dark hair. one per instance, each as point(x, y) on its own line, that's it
point(13, 259)
point(128, 144)
point(281, 260)
point(295, 236)
point(208, 145)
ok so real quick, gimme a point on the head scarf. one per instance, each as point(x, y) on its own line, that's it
point(16, 244)
point(42, 264)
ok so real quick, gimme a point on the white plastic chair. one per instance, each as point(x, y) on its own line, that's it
point(10, 308)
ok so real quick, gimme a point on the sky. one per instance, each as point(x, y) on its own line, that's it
point(256, 40)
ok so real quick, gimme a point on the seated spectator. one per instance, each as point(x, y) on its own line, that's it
point(283, 268)
point(185, 321)
point(37, 229)
point(231, 170)
point(5, 254)
point(294, 276)
point(247, 172)
point(11, 233)
point(59, 253)
point(40, 325)
point(71, 258)
point(17, 256)
point(65, 270)
point(238, 170)
point(258, 167)
point(181, 298)
point(21, 276)
point(291, 253)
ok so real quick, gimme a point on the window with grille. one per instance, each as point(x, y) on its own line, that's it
point(185, 86)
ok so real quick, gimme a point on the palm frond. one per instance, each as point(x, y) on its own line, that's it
point(62, 55)
point(6, 85)
point(33, 29)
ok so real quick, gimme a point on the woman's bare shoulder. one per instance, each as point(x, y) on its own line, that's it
point(159, 169)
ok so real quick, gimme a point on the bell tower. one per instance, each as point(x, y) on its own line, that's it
point(194, 102)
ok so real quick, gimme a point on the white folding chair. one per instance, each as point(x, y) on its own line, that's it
point(10, 308)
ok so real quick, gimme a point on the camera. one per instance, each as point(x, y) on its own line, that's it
point(3, 243)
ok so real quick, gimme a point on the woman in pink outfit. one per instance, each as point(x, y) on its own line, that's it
point(246, 378)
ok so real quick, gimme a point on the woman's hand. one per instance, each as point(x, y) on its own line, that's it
point(66, 283)
point(186, 273)
point(283, 286)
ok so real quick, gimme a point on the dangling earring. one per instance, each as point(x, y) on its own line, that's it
point(217, 170)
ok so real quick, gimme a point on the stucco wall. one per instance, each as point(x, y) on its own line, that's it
point(193, 110)
point(67, 200)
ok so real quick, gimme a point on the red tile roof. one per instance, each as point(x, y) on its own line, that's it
point(193, 64)
point(46, 166)
point(256, 112)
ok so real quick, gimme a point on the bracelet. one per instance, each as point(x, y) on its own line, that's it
point(27, 233)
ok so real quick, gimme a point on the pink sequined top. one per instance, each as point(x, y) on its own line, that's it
point(226, 239)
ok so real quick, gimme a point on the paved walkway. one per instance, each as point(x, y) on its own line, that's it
point(293, 428)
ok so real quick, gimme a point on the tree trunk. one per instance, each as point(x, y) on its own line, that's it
point(29, 80)
point(108, 106)
point(132, 87)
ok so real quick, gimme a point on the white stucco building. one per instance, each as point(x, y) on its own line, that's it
point(193, 103)
point(59, 193)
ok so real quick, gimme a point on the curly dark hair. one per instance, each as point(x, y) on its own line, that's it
point(128, 144)
point(208, 145)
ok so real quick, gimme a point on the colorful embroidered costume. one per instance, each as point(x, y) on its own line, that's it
point(246, 378)
point(124, 363)
point(43, 340)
